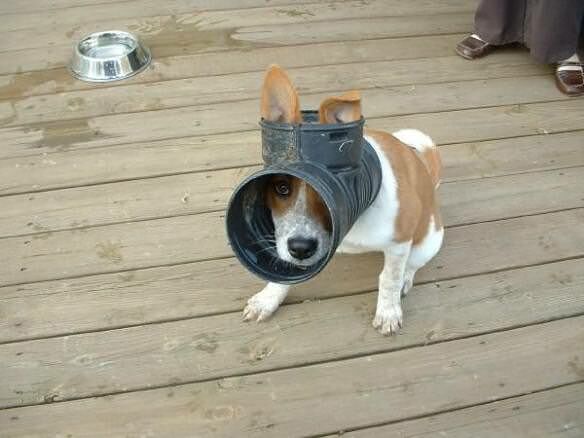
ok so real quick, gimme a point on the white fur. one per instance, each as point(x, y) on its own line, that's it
point(374, 231)
point(415, 139)
point(422, 253)
point(261, 306)
point(297, 222)
point(378, 217)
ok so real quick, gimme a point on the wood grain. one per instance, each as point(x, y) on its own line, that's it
point(35, 139)
point(97, 165)
point(211, 347)
point(462, 195)
point(174, 39)
point(330, 396)
point(184, 239)
point(120, 300)
point(235, 87)
point(554, 413)
point(135, 5)
point(59, 80)
point(193, 29)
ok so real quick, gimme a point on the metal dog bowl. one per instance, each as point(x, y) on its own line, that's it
point(109, 56)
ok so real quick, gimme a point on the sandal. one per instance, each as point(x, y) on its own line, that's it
point(570, 78)
point(473, 47)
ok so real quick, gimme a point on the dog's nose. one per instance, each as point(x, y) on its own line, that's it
point(301, 248)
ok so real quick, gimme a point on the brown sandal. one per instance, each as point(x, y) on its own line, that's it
point(472, 48)
point(570, 78)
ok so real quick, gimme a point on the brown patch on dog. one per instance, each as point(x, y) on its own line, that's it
point(280, 204)
point(279, 102)
point(317, 208)
point(415, 188)
point(342, 109)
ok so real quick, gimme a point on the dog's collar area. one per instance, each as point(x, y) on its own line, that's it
point(335, 146)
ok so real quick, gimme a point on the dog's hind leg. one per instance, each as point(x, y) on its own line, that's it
point(388, 316)
point(421, 254)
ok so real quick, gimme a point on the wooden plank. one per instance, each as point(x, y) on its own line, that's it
point(89, 166)
point(192, 41)
point(89, 7)
point(240, 116)
point(142, 296)
point(198, 30)
point(157, 294)
point(556, 412)
point(207, 64)
point(330, 396)
point(152, 198)
point(212, 347)
point(184, 40)
point(113, 248)
point(365, 28)
point(236, 87)
point(163, 352)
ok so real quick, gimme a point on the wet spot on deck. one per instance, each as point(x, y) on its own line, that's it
point(186, 34)
point(62, 135)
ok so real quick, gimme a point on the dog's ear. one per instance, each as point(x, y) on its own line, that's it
point(342, 109)
point(279, 101)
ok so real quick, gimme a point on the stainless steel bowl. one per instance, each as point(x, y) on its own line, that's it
point(109, 56)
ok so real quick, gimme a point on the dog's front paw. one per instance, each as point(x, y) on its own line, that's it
point(388, 319)
point(259, 308)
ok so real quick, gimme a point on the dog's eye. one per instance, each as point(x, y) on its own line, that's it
point(282, 188)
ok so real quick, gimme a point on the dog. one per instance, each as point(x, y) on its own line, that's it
point(403, 221)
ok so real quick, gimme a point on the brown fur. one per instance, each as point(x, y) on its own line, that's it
point(417, 175)
point(415, 188)
point(345, 108)
point(318, 208)
point(279, 102)
point(278, 204)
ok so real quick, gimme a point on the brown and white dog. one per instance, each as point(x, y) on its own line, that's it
point(403, 222)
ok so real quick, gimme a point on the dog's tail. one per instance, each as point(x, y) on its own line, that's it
point(426, 149)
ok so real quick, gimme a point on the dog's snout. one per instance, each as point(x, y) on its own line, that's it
point(301, 248)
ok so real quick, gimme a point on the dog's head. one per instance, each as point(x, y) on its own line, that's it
point(302, 225)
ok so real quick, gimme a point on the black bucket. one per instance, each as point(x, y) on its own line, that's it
point(333, 159)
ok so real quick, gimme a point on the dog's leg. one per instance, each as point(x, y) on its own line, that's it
point(388, 316)
point(422, 253)
point(409, 275)
point(263, 304)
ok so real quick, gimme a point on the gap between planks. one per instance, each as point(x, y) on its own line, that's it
point(89, 206)
point(435, 313)
point(208, 65)
point(166, 34)
point(381, 376)
point(208, 120)
point(563, 278)
point(254, 4)
point(455, 422)
point(216, 292)
point(254, 37)
point(241, 89)
point(183, 155)
point(558, 180)
point(113, 248)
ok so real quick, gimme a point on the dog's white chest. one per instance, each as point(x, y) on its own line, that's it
point(375, 228)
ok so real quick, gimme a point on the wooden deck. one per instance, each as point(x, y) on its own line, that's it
point(120, 300)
